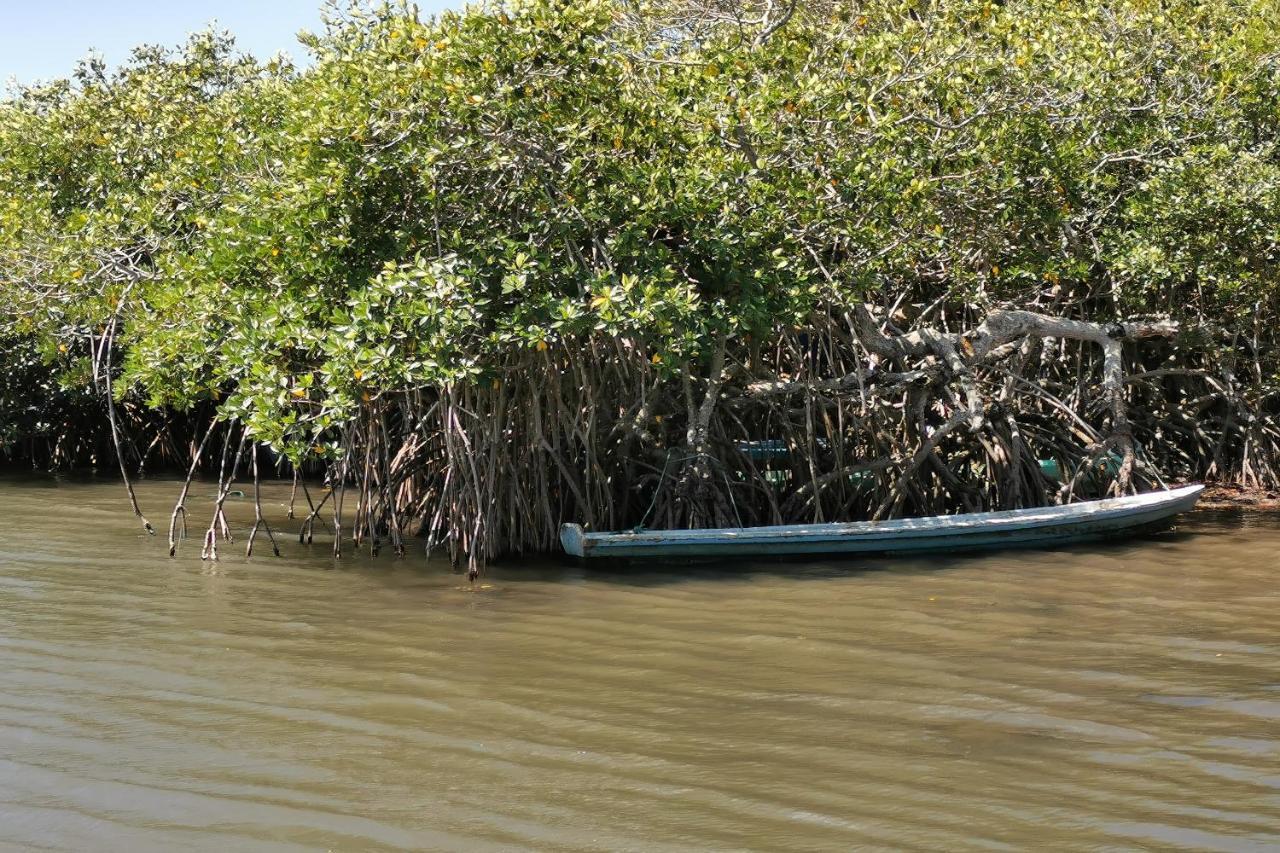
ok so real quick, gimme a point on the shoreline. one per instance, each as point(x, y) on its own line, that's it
point(1228, 496)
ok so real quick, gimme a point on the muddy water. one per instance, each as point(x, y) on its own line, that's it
point(1117, 697)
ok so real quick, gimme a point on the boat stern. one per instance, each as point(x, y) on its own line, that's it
point(573, 540)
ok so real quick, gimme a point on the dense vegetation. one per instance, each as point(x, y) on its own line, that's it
point(662, 263)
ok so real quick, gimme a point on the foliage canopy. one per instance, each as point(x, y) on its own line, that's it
point(439, 203)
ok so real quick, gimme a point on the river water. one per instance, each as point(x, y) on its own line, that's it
point(1121, 696)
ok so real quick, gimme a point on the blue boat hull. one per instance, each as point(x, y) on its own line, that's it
point(1027, 528)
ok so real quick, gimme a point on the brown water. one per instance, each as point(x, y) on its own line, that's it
point(1110, 697)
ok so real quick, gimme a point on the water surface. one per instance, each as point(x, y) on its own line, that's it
point(1116, 697)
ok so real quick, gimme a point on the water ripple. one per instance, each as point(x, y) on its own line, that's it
point(1096, 698)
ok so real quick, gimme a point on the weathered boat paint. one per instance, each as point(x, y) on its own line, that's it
point(1019, 528)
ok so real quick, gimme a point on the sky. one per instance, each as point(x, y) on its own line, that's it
point(42, 39)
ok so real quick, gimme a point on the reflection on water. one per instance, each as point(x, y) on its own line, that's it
point(1114, 696)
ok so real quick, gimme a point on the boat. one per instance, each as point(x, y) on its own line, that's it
point(1037, 527)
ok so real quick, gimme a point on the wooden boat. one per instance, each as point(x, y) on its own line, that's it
point(1019, 528)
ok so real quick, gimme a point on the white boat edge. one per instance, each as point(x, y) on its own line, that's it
point(1022, 528)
